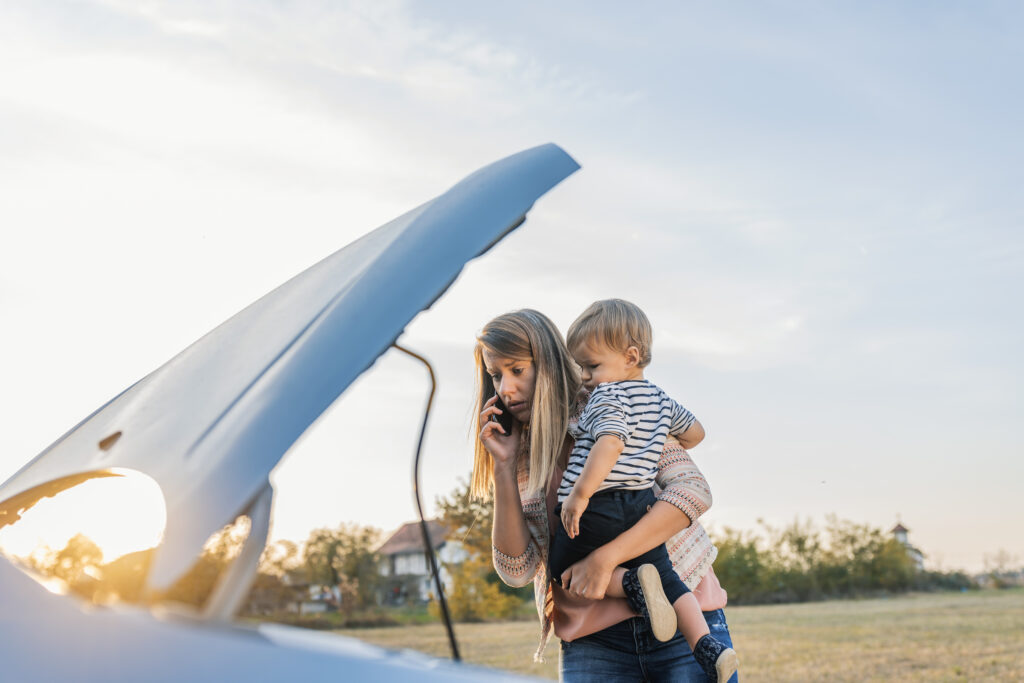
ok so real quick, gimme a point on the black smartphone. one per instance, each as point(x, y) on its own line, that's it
point(505, 419)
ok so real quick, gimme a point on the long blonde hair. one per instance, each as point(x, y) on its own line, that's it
point(528, 335)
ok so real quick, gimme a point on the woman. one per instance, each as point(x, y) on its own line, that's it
point(522, 360)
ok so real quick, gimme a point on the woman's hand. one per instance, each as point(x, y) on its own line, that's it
point(502, 447)
point(589, 577)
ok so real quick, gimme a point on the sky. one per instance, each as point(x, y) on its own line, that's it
point(817, 206)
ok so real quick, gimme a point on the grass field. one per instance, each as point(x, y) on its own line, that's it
point(933, 637)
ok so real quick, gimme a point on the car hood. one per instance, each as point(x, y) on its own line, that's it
point(210, 424)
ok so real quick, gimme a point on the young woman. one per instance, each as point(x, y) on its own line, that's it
point(522, 362)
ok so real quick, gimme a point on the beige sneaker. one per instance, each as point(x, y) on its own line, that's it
point(659, 609)
point(727, 664)
point(718, 661)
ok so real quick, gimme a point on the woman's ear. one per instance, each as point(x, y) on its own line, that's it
point(632, 356)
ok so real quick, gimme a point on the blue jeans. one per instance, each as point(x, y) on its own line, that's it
point(628, 651)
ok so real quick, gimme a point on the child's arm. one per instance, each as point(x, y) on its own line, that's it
point(599, 464)
point(685, 426)
point(692, 436)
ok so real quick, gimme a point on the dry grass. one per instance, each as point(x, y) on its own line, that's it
point(508, 645)
point(936, 637)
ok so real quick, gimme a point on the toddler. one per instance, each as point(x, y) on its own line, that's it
point(609, 475)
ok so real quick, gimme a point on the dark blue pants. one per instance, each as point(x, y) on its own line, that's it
point(609, 514)
point(628, 651)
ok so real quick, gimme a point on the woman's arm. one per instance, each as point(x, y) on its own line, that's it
point(513, 552)
point(684, 497)
point(682, 483)
point(509, 534)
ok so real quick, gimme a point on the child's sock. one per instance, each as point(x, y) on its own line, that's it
point(718, 660)
point(647, 596)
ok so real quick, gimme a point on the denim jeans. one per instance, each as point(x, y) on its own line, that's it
point(628, 651)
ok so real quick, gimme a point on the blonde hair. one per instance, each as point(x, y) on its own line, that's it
point(528, 335)
point(615, 323)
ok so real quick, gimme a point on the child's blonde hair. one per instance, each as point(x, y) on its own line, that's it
point(615, 323)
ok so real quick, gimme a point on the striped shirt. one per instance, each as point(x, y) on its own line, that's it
point(639, 413)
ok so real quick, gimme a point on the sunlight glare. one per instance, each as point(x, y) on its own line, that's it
point(119, 514)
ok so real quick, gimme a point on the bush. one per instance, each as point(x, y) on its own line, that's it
point(800, 562)
point(473, 597)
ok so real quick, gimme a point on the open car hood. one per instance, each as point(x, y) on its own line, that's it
point(210, 424)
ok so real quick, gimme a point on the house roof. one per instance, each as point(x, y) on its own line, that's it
point(898, 528)
point(409, 538)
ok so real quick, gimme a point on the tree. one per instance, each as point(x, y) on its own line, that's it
point(279, 558)
point(999, 569)
point(76, 557)
point(800, 562)
point(78, 560)
point(323, 556)
point(740, 565)
point(271, 590)
point(345, 556)
point(468, 517)
point(477, 592)
point(473, 597)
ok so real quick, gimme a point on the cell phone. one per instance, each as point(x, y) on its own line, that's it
point(505, 419)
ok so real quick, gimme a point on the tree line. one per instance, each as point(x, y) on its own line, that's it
point(341, 558)
point(802, 562)
point(797, 562)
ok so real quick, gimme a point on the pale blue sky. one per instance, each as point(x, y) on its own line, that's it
point(820, 205)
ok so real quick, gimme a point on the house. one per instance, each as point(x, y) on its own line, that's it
point(404, 562)
point(899, 532)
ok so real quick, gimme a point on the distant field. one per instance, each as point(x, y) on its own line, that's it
point(934, 637)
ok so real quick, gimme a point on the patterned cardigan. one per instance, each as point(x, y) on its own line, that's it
point(678, 482)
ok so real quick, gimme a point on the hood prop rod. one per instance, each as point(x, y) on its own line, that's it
point(427, 543)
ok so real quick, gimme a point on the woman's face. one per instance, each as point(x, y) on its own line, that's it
point(513, 380)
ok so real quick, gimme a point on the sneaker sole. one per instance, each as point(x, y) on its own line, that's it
point(662, 616)
point(727, 664)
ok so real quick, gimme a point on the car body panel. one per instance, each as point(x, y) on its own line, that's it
point(210, 424)
point(49, 637)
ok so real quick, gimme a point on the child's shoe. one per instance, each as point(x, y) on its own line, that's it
point(718, 660)
point(658, 609)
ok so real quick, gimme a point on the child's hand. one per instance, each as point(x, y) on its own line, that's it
point(572, 510)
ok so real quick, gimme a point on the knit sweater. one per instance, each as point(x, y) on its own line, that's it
point(678, 482)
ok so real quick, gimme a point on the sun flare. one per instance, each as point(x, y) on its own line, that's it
point(120, 515)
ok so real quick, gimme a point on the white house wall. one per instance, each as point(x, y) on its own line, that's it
point(411, 564)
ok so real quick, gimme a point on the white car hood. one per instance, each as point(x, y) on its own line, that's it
point(211, 424)
point(46, 637)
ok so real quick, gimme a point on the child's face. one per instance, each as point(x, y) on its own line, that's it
point(599, 363)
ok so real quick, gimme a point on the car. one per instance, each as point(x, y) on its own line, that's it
point(210, 424)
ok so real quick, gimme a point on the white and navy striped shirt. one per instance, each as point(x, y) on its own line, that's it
point(640, 414)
